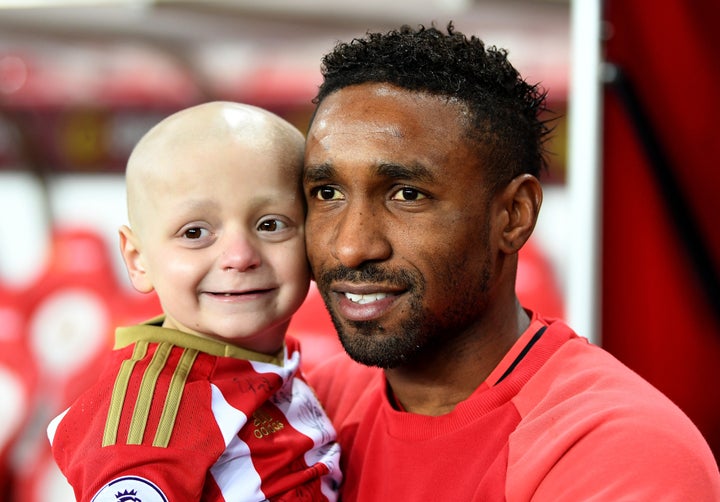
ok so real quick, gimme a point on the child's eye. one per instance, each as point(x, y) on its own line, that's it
point(271, 225)
point(194, 233)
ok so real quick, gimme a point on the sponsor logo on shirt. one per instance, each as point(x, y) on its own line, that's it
point(130, 489)
point(264, 424)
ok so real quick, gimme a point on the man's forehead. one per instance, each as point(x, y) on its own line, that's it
point(382, 108)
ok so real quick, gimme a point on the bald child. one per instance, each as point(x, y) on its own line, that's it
point(205, 402)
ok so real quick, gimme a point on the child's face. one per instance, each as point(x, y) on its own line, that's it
point(221, 240)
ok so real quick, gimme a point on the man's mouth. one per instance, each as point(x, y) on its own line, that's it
point(365, 298)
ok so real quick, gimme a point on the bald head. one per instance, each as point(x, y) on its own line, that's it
point(182, 140)
point(217, 219)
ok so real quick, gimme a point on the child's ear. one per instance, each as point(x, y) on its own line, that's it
point(521, 202)
point(134, 261)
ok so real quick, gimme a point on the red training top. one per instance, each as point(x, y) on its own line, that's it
point(557, 420)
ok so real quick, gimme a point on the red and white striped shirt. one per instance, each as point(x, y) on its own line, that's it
point(178, 418)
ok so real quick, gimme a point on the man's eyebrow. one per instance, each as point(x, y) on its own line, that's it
point(324, 172)
point(414, 171)
point(317, 173)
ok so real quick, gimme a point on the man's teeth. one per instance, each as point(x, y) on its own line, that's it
point(362, 299)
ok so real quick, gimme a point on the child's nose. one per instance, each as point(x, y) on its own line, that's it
point(240, 252)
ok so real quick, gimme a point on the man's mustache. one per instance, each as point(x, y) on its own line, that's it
point(369, 273)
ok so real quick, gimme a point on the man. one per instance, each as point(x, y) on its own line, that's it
point(421, 173)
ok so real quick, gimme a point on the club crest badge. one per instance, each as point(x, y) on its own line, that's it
point(130, 489)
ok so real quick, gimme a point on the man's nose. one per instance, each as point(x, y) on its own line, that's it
point(360, 236)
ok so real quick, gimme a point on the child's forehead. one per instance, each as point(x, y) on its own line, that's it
point(217, 124)
point(222, 154)
point(218, 166)
point(211, 150)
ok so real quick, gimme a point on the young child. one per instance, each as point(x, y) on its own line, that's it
point(206, 402)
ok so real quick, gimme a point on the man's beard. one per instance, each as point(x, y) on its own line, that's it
point(368, 342)
point(420, 333)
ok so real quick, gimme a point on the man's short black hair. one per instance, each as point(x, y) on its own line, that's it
point(507, 127)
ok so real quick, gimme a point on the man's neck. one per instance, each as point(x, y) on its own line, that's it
point(433, 385)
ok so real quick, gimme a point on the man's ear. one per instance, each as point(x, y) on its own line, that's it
point(521, 200)
point(134, 261)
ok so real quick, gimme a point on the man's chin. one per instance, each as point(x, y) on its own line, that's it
point(381, 351)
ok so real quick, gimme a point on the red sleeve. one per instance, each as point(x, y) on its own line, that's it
point(618, 462)
point(92, 460)
point(340, 383)
point(156, 473)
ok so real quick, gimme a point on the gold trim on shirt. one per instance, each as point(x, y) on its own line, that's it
point(172, 400)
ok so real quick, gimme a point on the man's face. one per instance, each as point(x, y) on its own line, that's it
point(398, 230)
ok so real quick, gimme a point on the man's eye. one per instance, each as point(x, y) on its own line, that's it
point(271, 225)
point(194, 233)
point(408, 194)
point(327, 193)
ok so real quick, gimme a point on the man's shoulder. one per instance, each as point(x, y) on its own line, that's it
point(585, 391)
point(590, 377)
point(585, 415)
